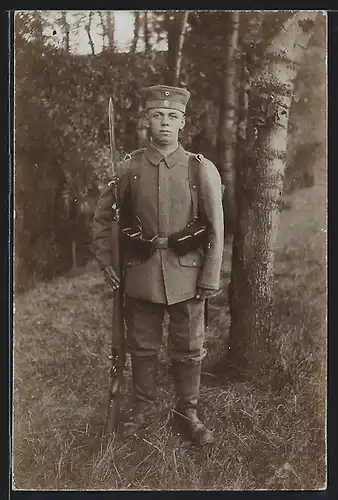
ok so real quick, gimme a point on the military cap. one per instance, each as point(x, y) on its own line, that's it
point(163, 96)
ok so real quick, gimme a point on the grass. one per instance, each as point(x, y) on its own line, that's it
point(264, 439)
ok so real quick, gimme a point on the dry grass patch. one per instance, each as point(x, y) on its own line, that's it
point(264, 439)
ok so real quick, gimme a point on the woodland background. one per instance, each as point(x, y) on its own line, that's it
point(61, 116)
point(268, 415)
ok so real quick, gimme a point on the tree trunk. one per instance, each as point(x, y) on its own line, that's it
point(65, 29)
point(74, 261)
point(259, 188)
point(104, 32)
point(204, 141)
point(226, 136)
point(179, 55)
point(173, 24)
point(136, 32)
point(88, 28)
point(243, 108)
point(146, 32)
point(111, 30)
point(142, 133)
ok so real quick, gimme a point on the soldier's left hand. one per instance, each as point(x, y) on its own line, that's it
point(203, 293)
point(111, 277)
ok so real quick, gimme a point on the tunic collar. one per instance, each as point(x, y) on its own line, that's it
point(155, 156)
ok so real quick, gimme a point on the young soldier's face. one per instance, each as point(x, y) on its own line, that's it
point(165, 124)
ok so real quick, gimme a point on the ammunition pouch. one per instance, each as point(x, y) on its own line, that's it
point(192, 237)
point(137, 242)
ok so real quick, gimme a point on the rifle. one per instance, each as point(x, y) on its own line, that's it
point(118, 337)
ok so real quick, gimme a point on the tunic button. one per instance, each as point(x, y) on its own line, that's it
point(135, 176)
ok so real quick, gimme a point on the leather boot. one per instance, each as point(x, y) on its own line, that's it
point(187, 378)
point(145, 392)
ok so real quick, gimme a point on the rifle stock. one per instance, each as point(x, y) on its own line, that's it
point(117, 338)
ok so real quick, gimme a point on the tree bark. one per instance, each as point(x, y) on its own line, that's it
point(226, 136)
point(111, 30)
point(146, 32)
point(88, 28)
point(136, 32)
point(65, 29)
point(104, 31)
point(179, 56)
point(259, 188)
point(174, 24)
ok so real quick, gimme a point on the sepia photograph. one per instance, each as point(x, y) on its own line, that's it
point(169, 250)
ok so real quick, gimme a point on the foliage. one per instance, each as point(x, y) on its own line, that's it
point(44, 159)
point(61, 148)
point(61, 127)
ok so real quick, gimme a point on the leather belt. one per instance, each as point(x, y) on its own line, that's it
point(161, 243)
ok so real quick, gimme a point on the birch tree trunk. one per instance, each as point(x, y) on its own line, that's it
point(175, 26)
point(226, 134)
point(111, 30)
point(65, 29)
point(259, 188)
point(103, 28)
point(179, 56)
point(136, 35)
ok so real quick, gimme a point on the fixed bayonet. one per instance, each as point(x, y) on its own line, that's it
point(117, 355)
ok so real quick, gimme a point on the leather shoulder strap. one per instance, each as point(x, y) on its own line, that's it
point(194, 181)
point(128, 156)
point(134, 173)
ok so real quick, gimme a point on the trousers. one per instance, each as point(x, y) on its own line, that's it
point(186, 332)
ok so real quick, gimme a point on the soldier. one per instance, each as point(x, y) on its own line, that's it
point(168, 192)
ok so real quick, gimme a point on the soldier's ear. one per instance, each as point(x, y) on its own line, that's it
point(146, 120)
point(182, 122)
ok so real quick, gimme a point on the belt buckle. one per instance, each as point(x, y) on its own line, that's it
point(162, 242)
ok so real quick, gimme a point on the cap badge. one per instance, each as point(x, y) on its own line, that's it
point(166, 103)
point(166, 93)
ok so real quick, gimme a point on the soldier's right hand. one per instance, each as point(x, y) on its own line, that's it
point(111, 277)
